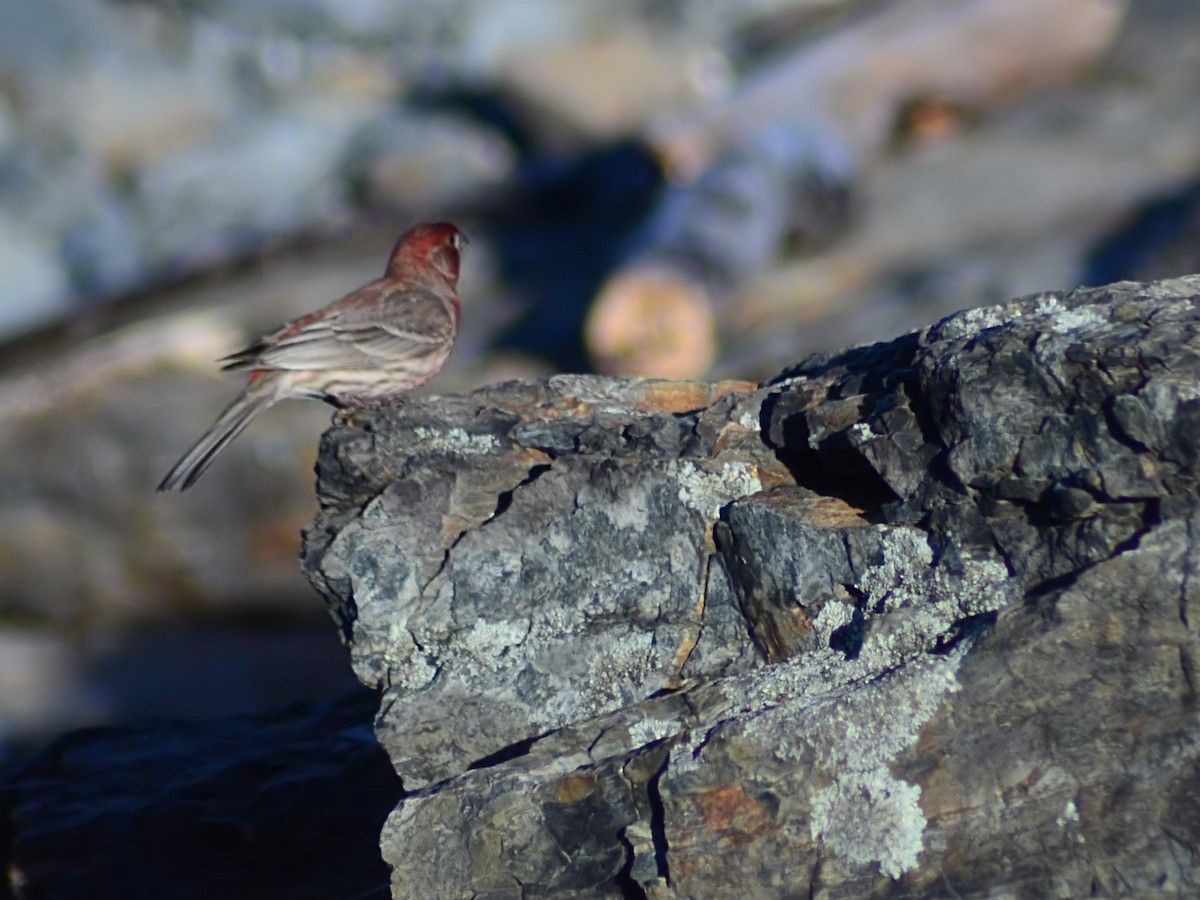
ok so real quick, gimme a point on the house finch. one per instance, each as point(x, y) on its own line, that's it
point(374, 344)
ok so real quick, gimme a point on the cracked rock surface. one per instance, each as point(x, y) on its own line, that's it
point(917, 618)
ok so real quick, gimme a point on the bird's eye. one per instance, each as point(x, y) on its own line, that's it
point(456, 240)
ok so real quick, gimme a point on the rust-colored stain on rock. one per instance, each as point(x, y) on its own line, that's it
point(686, 396)
point(574, 788)
point(727, 809)
point(831, 512)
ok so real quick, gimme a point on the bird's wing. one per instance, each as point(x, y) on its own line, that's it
point(396, 326)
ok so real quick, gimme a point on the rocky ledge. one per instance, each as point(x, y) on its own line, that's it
point(914, 618)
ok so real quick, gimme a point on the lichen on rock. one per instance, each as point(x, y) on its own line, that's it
point(852, 631)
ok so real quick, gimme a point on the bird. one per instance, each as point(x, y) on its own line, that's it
point(372, 345)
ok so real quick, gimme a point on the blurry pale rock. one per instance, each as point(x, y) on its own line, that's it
point(272, 176)
point(1035, 223)
point(652, 321)
point(358, 20)
point(602, 87)
point(979, 53)
point(36, 37)
point(39, 688)
point(495, 33)
point(35, 288)
point(342, 71)
point(86, 539)
point(59, 194)
point(803, 290)
point(279, 68)
point(129, 114)
point(427, 162)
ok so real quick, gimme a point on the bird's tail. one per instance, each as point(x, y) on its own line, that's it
point(237, 415)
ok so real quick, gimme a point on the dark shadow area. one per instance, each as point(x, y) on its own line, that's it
point(211, 669)
point(835, 468)
point(1160, 239)
point(965, 629)
point(285, 804)
point(560, 233)
point(513, 751)
point(185, 670)
point(848, 639)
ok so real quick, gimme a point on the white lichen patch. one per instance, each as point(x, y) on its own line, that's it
point(647, 731)
point(985, 585)
point(455, 440)
point(857, 722)
point(751, 420)
point(410, 673)
point(1046, 304)
point(1188, 391)
point(629, 510)
point(687, 756)
point(706, 489)
point(408, 669)
point(973, 321)
point(832, 616)
point(488, 643)
point(793, 380)
point(923, 604)
point(619, 676)
point(866, 814)
point(861, 432)
point(1069, 814)
point(886, 717)
point(1071, 321)
point(898, 578)
point(912, 601)
point(892, 836)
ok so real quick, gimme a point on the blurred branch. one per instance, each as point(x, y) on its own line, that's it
point(977, 53)
point(655, 314)
point(782, 150)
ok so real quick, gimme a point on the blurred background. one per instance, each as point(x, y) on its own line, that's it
point(685, 188)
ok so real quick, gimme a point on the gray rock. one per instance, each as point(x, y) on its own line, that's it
point(911, 618)
point(583, 502)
